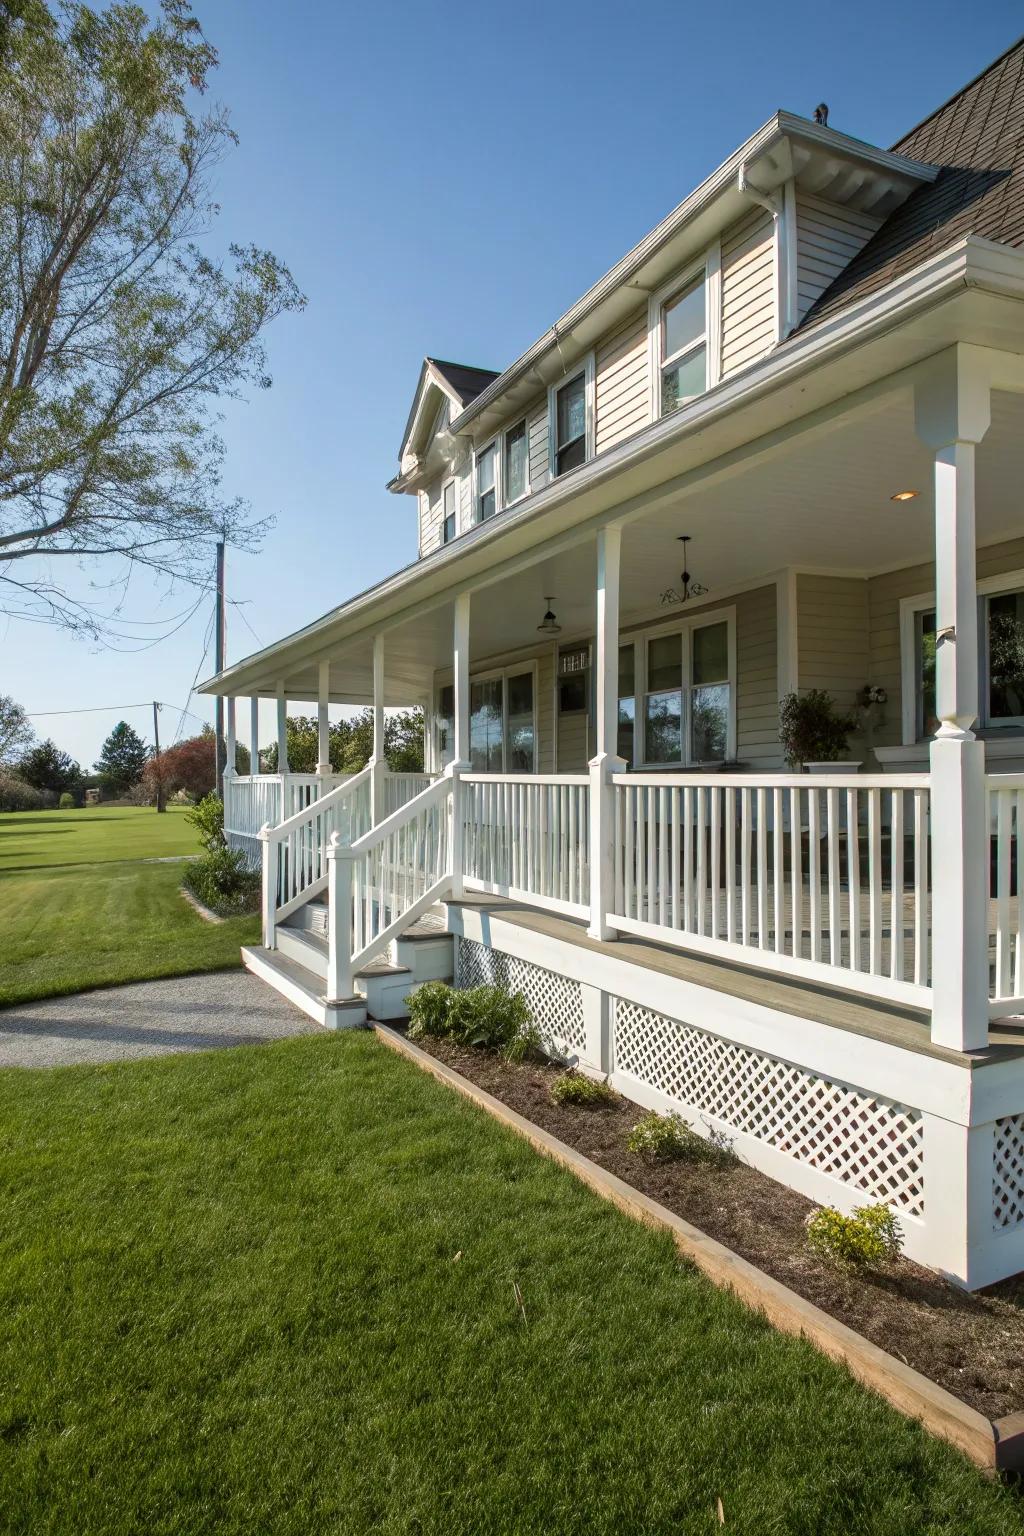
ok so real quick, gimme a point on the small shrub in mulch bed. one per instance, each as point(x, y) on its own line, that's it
point(863, 1240)
point(491, 1018)
point(668, 1138)
point(971, 1344)
point(586, 1092)
point(221, 880)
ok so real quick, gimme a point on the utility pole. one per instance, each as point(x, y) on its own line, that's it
point(156, 759)
point(219, 749)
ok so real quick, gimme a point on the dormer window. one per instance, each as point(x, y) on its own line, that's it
point(486, 483)
point(683, 345)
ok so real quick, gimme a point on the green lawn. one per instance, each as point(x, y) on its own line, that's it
point(80, 908)
point(95, 834)
point(271, 1290)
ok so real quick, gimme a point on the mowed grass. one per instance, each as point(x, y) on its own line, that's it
point(271, 1290)
point(80, 908)
point(93, 834)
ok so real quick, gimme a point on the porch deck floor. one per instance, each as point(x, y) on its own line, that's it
point(891, 1023)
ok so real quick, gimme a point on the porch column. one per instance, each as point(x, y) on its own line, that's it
point(282, 730)
point(460, 678)
point(607, 760)
point(254, 734)
point(378, 764)
point(230, 755)
point(952, 401)
point(323, 728)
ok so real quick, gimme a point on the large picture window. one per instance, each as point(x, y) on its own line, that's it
point(676, 695)
point(502, 722)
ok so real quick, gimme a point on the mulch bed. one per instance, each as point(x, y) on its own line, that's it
point(973, 1345)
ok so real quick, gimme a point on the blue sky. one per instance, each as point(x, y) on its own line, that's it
point(447, 180)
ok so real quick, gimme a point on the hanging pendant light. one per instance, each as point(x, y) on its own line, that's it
point(549, 625)
point(688, 587)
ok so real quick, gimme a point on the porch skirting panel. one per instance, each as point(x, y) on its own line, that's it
point(841, 1117)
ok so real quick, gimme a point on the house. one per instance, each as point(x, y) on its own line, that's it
point(778, 447)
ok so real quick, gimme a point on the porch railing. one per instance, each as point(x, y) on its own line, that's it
point(528, 836)
point(295, 851)
point(252, 801)
point(805, 874)
point(1006, 890)
point(384, 880)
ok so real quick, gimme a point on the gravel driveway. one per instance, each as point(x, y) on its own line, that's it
point(148, 1018)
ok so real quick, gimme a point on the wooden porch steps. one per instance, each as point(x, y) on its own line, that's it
point(297, 967)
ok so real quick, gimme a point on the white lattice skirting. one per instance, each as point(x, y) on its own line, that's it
point(556, 1002)
point(855, 1137)
point(1008, 1172)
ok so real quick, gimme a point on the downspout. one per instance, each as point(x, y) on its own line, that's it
point(775, 204)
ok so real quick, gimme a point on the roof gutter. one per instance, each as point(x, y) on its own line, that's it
point(919, 290)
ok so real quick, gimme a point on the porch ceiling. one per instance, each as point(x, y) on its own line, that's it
point(822, 503)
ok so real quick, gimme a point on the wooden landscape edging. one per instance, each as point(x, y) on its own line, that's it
point(995, 1446)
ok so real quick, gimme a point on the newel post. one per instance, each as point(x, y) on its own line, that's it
point(340, 985)
point(952, 402)
point(268, 902)
point(607, 761)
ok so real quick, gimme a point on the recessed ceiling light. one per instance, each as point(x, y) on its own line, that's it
point(903, 496)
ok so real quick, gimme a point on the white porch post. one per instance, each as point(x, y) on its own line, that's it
point(323, 692)
point(230, 756)
point(282, 730)
point(254, 734)
point(460, 666)
point(953, 413)
point(378, 764)
point(607, 760)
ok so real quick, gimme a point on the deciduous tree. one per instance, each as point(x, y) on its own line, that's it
point(16, 733)
point(119, 331)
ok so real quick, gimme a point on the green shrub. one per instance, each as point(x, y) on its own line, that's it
point(16, 795)
point(66, 802)
point(222, 881)
point(490, 1017)
point(870, 1236)
point(668, 1138)
point(576, 1088)
point(207, 816)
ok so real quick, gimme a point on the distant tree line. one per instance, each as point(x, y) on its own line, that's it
point(35, 775)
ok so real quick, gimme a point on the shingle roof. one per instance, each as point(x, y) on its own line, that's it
point(465, 381)
point(977, 138)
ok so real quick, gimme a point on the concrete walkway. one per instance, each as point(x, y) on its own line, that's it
point(148, 1018)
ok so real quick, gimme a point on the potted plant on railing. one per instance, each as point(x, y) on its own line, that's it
point(813, 733)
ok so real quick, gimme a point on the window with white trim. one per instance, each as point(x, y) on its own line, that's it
point(448, 512)
point(1001, 662)
point(683, 345)
point(570, 424)
point(516, 465)
point(487, 482)
point(502, 721)
point(677, 694)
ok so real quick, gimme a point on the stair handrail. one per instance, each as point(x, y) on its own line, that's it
point(316, 808)
point(341, 962)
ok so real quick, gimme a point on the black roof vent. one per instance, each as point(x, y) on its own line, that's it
point(821, 114)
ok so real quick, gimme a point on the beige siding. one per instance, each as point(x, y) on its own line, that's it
point(827, 240)
point(757, 684)
point(748, 291)
point(537, 426)
point(431, 517)
point(622, 393)
point(885, 594)
point(833, 649)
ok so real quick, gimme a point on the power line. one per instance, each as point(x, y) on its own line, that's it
point(103, 709)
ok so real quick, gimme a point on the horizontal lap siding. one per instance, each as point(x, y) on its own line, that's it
point(622, 390)
point(431, 517)
point(757, 688)
point(833, 647)
point(748, 292)
point(827, 239)
point(885, 594)
point(537, 426)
